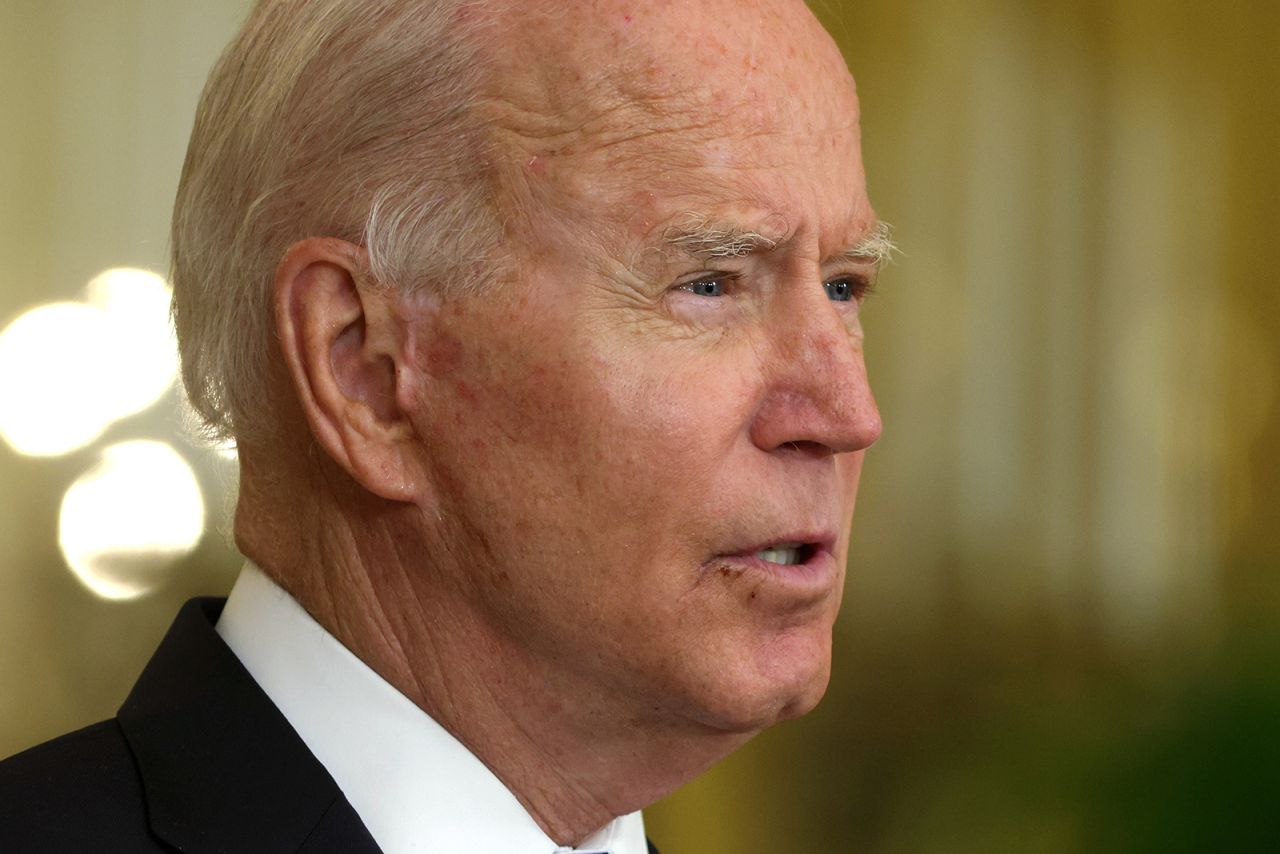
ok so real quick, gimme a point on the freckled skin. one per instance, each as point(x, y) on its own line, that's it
point(596, 436)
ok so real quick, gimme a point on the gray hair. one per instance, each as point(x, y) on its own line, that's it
point(339, 118)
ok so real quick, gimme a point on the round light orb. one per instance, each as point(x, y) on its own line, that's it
point(144, 353)
point(54, 396)
point(129, 519)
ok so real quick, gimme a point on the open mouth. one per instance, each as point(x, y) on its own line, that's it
point(786, 554)
point(801, 568)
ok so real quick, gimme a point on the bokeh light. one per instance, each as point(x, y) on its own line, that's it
point(53, 379)
point(144, 355)
point(69, 370)
point(130, 518)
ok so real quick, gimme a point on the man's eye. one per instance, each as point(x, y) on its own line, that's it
point(711, 286)
point(844, 290)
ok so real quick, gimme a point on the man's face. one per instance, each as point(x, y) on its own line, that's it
point(646, 444)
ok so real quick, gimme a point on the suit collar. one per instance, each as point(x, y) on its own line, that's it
point(221, 768)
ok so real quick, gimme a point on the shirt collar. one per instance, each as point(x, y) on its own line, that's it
point(415, 786)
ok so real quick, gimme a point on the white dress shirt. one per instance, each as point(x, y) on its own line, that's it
point(415, 787)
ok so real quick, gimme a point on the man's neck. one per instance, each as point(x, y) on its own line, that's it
point(573, 758)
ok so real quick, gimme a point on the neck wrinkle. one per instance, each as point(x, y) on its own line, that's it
point(574, 762)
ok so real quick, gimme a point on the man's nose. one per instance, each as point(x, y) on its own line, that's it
point(818, 398)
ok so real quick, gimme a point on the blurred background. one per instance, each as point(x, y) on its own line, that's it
point(1062, 629)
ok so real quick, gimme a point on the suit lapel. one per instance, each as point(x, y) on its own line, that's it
point(222, 770)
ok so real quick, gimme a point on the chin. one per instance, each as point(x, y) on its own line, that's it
point(804, 694)
point(807, 700)
point(773, 689)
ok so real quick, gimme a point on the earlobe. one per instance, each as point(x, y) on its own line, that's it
point(342, 343)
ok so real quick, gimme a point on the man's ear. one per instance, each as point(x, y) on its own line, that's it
point(343, 345)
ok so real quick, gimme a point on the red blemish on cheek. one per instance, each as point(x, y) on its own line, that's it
point(448, 482)
point(626, 18)
point(444, 355)
point(464, 391)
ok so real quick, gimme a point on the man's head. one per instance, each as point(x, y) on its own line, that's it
point(600, 407)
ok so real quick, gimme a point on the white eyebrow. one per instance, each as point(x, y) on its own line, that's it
point(699, 237)
point(877, 247)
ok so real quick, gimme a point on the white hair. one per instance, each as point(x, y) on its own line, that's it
point(877, 247)
point(697, 235)
point(339, 118)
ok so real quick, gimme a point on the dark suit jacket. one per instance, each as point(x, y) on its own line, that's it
point(198, 760)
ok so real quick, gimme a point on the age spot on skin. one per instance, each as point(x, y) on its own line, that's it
point(733, 572)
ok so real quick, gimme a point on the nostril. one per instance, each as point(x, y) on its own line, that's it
point(807, 448)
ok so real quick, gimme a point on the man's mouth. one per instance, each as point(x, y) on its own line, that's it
point(801, 567)
point(786, 554)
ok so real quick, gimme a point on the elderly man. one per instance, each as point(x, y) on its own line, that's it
point(536, 325)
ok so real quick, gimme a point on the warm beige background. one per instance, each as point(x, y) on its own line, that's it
point(1062, 631)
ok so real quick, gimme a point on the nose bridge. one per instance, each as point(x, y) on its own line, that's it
point(819, 392)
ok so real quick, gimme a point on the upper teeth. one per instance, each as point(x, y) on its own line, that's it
point(786, 554)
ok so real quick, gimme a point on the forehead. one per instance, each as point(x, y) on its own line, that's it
point(579, 66)
point(655, 109)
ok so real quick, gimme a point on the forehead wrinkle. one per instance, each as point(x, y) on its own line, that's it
point(590, 127)
point(595, 113)
point(571, 64)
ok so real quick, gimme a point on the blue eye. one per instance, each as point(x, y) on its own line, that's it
point(840, 290)
point(849, 288)
point(709, 287)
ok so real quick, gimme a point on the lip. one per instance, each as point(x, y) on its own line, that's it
point(811, 578)
point(818, 541)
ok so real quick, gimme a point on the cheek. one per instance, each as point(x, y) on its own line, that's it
point(556, 426)
point(619, 401)
point(668, 420)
